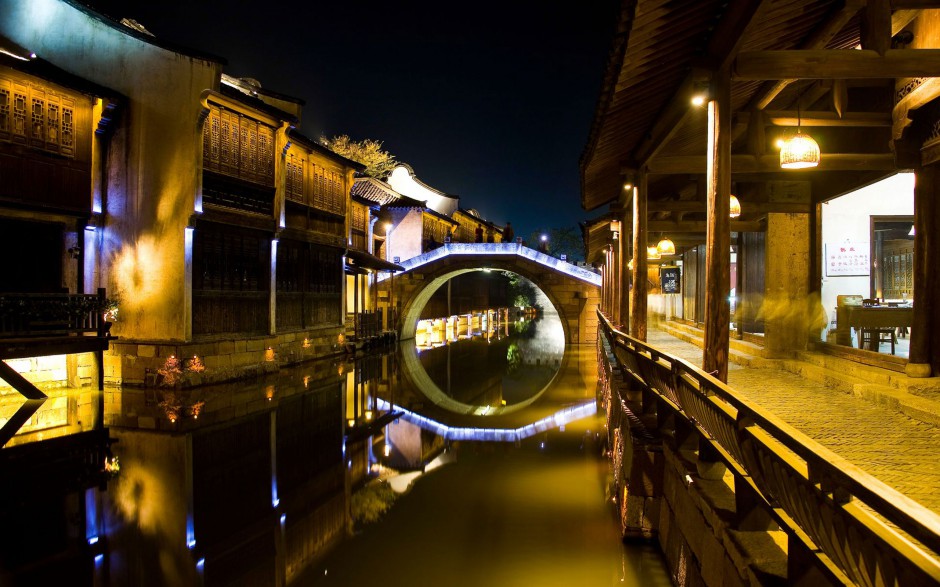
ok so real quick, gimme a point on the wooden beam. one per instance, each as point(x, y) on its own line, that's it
point(876, 26)
point(725, 41)
point(688, 164)
point(818, 40)
point(748, 207)
point(667, 123)
point(821, 118)
point(836, 64)
point(914, 4)
point(699, 226)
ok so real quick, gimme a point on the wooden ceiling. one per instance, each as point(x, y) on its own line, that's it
point(789, 61)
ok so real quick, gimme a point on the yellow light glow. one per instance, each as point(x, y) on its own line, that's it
point(630, 265)
point(735, 208)
point(368, 414)
point(666, 247)
point(799, 151)
point(698, 100)
point(652, 253)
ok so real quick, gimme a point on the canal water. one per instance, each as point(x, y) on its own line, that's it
point(473, 461)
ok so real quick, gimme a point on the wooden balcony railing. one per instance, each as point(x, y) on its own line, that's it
point(853, 527)
point(25, 315)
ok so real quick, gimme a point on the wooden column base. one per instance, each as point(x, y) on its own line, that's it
point(917, 370)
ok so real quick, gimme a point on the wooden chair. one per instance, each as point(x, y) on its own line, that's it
point(873, 337)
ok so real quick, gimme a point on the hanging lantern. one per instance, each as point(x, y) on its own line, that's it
point(799, 151)
point(666, 247)
point(735, 209)
point(652, 253)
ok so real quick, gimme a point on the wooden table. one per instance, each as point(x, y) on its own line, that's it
point(859, 317)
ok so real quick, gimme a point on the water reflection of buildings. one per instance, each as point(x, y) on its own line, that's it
point(251, 481)
point(435, 332)
point(250, 486)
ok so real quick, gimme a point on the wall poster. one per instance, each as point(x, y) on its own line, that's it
point(850, 258)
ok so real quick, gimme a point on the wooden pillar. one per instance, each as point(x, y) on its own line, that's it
point(623, 284)
point(640, 238)
point(923, 359)
point(616, 278)
point(718, 235)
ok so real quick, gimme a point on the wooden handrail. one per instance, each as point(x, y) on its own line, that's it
point(50, 314)
point(763, 447)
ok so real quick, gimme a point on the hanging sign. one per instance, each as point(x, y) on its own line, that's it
point(669, 279)
point(850, 258)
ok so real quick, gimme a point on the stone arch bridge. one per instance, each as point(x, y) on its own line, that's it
point(573, 291)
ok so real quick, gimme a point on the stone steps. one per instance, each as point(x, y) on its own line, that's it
point(918, 398)
point(746, 354)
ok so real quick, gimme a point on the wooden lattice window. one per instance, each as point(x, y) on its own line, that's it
point(37, 116)
point(328, 192)
point(295, 178)
point(359, 218)
point(898, 264)
point(236, 145)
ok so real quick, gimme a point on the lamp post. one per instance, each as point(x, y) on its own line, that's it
point(615, 229)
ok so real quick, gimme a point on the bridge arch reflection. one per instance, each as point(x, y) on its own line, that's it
point(572, 291)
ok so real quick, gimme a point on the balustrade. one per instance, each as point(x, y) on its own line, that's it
point(851, 526)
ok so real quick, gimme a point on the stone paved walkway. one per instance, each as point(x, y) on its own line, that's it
point(898, 450)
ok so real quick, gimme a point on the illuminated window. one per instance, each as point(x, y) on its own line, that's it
point(37, 116)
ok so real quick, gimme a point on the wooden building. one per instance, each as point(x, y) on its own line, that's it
point(222, 229)
point(695, 99)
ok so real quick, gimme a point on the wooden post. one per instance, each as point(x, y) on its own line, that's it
point(623, 284)
point(923, 361)
point(718, 236)
point(640, 238)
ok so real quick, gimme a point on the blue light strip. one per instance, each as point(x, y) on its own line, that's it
point(498, 249)
point(559, 418)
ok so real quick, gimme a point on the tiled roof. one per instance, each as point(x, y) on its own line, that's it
point(376, 190)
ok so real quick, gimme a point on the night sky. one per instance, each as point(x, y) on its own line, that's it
point(491, 101)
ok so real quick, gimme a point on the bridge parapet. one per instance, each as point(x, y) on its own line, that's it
point(501, 250)
point(573, 291)
point(722, 471)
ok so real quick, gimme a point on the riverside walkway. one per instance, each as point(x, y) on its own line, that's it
point(868, 429)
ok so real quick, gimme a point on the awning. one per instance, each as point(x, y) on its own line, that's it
point(368, 261)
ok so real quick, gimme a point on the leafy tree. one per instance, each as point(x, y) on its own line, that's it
point(369, 152)
point(521, 291)
point(567, 241)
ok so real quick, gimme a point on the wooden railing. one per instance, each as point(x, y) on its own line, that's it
point(51, 314)
point(851, 526)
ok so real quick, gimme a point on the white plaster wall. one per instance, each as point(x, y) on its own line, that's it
point(404, 240)
point(848, 218)
point(153, 160)
point(403, 182)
